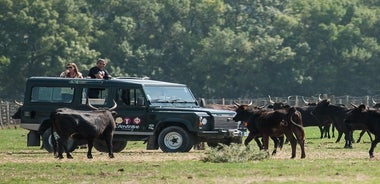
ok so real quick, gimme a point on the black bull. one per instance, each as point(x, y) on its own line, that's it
point(363, 118)
point(266, 123)
point(335, 114)
point(307, 118)
point(83, 125)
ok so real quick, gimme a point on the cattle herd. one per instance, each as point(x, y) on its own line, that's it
point(278, 119)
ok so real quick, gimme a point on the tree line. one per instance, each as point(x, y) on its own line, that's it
point(219, 48)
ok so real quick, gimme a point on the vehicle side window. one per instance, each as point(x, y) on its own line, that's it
point(130, 97)
point(52, 94)
point(95, 96)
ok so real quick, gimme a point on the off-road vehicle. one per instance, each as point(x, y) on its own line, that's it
point(165, 115)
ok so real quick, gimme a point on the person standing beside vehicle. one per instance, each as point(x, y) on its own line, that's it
point(99, 71)
point(71, 71)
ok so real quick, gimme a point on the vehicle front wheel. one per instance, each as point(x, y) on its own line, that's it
point(175, 139)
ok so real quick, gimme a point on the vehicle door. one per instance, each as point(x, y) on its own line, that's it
point(132, 112)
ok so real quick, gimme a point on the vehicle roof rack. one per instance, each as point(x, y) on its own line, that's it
point(142, 78)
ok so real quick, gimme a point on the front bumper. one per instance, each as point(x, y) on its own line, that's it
point(221, 134)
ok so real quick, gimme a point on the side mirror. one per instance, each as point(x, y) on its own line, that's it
point(203, 103)
point(140, 101)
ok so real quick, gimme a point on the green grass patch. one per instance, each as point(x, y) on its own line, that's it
point(325, 162)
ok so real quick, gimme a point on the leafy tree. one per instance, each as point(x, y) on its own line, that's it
point(220, 48)
point(38, 38)
point(335, 44)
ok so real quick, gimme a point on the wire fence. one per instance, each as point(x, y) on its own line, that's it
point(298, 101)
point(7, 109)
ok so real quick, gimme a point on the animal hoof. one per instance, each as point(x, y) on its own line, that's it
point(89, 155)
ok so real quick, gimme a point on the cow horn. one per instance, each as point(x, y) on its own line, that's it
point(261, 107)
point(19, 103)
point(236, 104)
point(91, 106)
point(270, 100)
point(353, 105)
point(95, 108)
point(114, 106)
point(304, 101)
point(250, 103)
point(319, 98)
point(373, 101)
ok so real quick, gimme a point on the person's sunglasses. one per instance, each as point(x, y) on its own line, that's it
point(69, 67)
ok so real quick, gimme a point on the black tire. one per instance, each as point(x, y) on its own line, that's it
point(48, 145)
point(175, 139)
point(101, 145)
point(47, 140)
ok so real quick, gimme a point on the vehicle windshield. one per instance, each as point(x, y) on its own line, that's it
point(170, 96)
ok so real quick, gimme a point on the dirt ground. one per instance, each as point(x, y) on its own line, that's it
point(142, 155)
point(136, 155)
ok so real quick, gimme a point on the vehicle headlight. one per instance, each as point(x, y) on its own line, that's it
point(203, 121)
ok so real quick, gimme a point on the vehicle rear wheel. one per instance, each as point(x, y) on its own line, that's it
point(47, 140)
point(175, 139)
point(101, 145)
point(48, 144)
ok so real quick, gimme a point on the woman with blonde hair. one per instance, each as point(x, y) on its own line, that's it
point(71, 71)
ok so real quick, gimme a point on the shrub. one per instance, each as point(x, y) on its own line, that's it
point(234, 153)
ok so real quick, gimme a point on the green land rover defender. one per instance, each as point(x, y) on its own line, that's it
point(164, 115)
